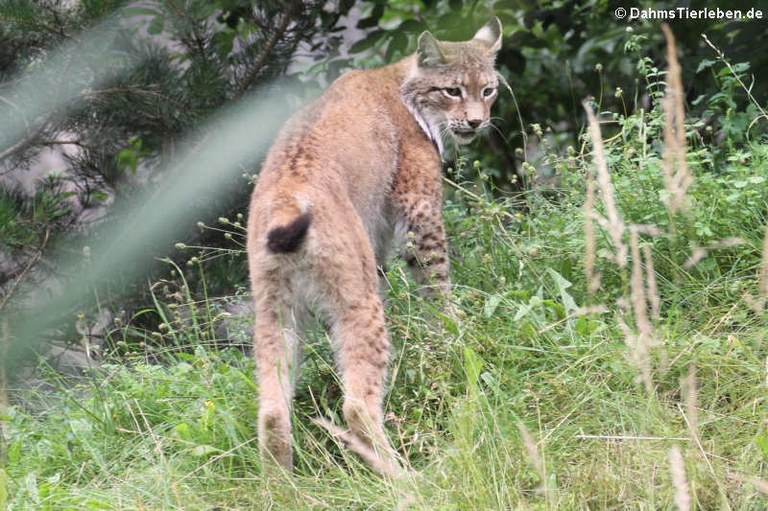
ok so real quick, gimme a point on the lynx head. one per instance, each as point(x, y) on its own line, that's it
point(453, 84)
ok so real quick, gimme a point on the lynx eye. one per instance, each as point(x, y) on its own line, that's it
point(488, 92)
point(452, 92)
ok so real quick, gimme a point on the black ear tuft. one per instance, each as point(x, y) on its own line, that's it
point(287, 238)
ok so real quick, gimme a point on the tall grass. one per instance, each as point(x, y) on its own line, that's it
point(586, 367)
point(3, 415)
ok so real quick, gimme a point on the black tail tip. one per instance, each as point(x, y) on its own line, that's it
point(287, 238)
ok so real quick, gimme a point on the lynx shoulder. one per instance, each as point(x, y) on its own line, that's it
point(352, 176)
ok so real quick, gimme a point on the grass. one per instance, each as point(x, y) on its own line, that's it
point(493, 415)
point(548, 390)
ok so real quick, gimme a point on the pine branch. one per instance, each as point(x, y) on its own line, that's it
point(21, 276)
point(263, 57)
point(134, 90)
point(21, 143)
point(196, 37)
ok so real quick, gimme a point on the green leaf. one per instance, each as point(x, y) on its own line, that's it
point(585, 326)
point(491, 304)
point(412, 27)
point(141, 11)
point(705, 64)
point(562, 286)
point(761, 441)
point(370, 40)
point(528, 308)
point(14, 452)
point(99, 196)
point(373, 19)
point(473, 366)
point(247, 379)
point(396, 46)
point(223, 42)
point(699, 99)
point(3, 489)
point(203, 451)
point(156, 26)
point(183, 431)
point(345, 6)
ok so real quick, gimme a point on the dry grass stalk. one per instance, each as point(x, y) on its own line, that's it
point(702, 252)
point(697, 255)
point(763, 279)
point(4, 341)
point(642, 296)
point(679, 480)
point(760, 485)
point(637, 290)
point(613, 223)
point(690, 394)
point(733, 241)
point(623, 438)
point(590, 309)
point(532, 452)
point(638, 354)
point(677, 175)
point(651, 290)
point(649, 229)
point(590, 240)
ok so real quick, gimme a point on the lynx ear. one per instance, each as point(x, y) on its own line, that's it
point(428, 51)
point(490, 35)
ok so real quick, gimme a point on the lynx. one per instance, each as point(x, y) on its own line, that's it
point(353, 174)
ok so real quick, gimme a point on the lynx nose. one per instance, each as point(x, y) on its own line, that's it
point(474, 123)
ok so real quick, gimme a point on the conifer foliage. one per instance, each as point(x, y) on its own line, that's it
point(157, 71)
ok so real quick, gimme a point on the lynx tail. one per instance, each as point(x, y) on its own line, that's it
point(288, 238)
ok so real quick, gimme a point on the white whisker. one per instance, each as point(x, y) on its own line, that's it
point(491, 125)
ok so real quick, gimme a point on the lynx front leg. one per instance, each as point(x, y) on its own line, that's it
point(426, 247)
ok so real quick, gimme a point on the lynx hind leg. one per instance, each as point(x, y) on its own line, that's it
point(355, 315)
point(362, 348)
point(277, 347)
